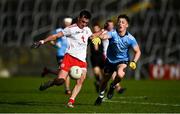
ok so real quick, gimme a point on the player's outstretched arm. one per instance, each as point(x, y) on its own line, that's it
point(52, 37)
point(49, 38)
point(96, 38)
point(36, 45)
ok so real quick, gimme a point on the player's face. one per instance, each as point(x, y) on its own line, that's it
point(82, 22)
point(122, 24)
point(96, 29)
point(110, 26)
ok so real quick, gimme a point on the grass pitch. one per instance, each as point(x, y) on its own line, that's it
point(21, 94)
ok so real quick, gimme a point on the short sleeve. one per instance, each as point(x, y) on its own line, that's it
point(59, 30)
point(110, 34)
point(133, 42)
point(89, 32)
point(54, 32)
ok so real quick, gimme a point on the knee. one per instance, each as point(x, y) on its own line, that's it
point(80, 81)
point(96, 70)
point(121, 73)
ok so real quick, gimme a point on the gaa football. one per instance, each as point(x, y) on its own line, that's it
point(75, 72)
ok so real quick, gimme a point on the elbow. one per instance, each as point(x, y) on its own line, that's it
point(139, 54)
point(53, 37)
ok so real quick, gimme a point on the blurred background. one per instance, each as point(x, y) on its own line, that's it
point(154, 23)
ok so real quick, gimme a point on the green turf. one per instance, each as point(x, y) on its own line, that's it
point(22, 95)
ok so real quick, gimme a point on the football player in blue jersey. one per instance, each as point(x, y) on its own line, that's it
point(108, 27)
point(61, 45)
point(120, 41)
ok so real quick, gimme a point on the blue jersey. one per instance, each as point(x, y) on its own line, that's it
point(61, 43)
point(119, 46)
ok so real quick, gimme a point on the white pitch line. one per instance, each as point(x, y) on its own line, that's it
point(143, 103)
point(131, 97)
point(128, 97)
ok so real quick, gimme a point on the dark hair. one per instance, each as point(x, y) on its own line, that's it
point(86, 14)
point(106, 23)
point(96, 24)
point(74, 20)
point(124, 16)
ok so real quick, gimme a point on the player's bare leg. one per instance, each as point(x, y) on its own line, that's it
point(67, 86)
point(98, 77)
point(67, 81)
point(57, 81)
point(48, 71)
point(118, 86)
point(119, 76)
point(76, 89)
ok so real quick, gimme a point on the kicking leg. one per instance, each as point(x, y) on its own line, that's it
point(57, 81)
point(98, 77)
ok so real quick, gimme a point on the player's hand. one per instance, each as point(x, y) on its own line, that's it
point(96, 41)
point(37, 44)
point(52, 42)
point(132, 65)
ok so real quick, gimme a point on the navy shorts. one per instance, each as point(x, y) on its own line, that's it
point(111, 67)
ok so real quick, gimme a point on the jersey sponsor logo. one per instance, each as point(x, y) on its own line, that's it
point(82, 45)
point(77, 32)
